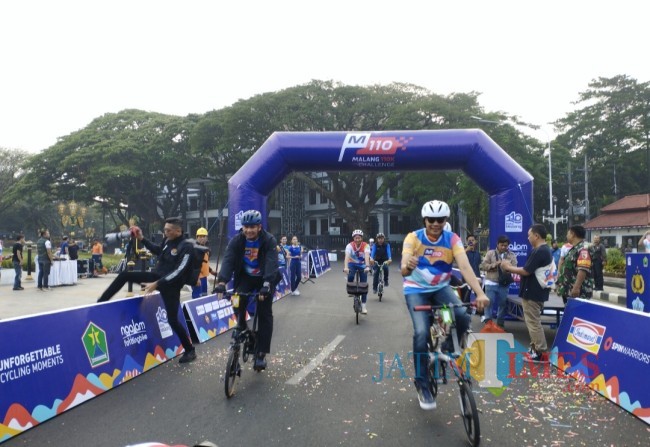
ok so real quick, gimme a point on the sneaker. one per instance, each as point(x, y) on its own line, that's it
point(536, 357)
point(363, 308)
point(188, 356)
point(425, 397)
point(19, 288)
point(297, 293)
point(386, 283)
point(260, 362)
point(484, 319)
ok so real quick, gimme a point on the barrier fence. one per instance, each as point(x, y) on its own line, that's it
point(46, 370)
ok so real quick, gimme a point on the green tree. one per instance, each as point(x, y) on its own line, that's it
point(611, 128)
point(134, 162)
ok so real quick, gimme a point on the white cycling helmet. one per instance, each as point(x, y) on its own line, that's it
point(435, 208)
point(371, 240)
point(447, 226)
point(357, 233)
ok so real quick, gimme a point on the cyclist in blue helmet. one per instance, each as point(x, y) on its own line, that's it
point(252, 258)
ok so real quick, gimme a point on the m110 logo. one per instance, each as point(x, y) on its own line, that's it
point(369, 145)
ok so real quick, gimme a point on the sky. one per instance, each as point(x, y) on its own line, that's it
point(64, 63)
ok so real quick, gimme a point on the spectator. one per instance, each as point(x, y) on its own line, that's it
point(63, 248)
point(496, 286)
point(295, 265)
point(73, 250)
point(556, 251)
point(282, 252)
point(201, 289)
point(532, 293)
point(644, 242)
point(473, 255)
point(576, 279)
point(598, 262)
point(45, 258)
point(17, 259)
point(97, 253)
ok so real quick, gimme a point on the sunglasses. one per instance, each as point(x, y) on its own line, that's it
point(436, 219)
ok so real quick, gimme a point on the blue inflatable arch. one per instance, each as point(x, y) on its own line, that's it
point(509, 186)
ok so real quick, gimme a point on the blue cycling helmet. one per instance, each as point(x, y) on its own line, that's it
point(251, 217)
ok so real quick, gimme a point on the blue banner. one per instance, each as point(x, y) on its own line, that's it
point(319, 262)
point(596, 345)
point(637, 273)
point(45, 371)
point(211, 316)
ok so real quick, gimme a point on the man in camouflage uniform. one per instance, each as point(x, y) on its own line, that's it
point(576, 280)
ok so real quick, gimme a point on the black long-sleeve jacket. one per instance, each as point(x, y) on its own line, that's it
point(173, 260)
point(233, 260)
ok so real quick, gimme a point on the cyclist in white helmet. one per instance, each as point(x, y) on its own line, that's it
point(357, 259)
point(427, 259)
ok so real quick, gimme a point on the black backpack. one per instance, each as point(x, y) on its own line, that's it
point(197, 258)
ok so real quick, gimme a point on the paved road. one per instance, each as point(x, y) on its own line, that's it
point(338, 403)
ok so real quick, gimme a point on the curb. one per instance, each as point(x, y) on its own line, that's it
point(615, 298)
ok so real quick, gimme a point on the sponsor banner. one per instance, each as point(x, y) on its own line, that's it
point(319, 262)
point(637, 273)
point(595, 345)
point(211, 316)
point(45, 371)
point(304, 265)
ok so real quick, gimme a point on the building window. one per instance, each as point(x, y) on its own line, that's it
point(324, 229)
point(312, 197)
point(312, 227)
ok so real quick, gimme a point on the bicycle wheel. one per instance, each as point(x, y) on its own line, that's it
point(469, 413)
point(380, 289)
point(357, 306)
point(434, 373)
point(233, 370)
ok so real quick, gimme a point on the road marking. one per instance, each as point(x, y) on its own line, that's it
point(315, 362)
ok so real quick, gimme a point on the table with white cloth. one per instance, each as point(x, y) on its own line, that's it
point(62, 273)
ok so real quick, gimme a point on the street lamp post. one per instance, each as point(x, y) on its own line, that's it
point(553, 217)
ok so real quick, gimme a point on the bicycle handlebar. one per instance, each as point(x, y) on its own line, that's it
point(429, 307)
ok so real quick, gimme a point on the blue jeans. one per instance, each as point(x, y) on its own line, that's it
point(422, 323)
point(498, 296)
point(19, 272)
point(375, 279)
point(363, 276)
point(43, 274)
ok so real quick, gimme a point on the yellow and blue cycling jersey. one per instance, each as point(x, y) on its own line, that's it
point(435, 259)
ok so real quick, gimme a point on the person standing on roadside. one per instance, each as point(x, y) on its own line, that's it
point(17, 259)
point(532, 293)
point(576, 278)
point(97, 253)
point(295, 265)
point(497, 284)
point(598, 263)
point(45, 258)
